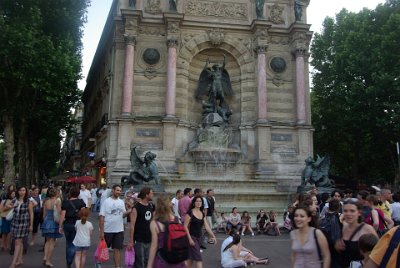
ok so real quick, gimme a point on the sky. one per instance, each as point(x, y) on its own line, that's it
point(317, 11)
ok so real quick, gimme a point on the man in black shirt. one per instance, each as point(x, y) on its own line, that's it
point(139, 229)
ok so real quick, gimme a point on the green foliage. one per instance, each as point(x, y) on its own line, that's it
point(356, 92)
point(40, 64)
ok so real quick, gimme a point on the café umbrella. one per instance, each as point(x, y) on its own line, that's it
point(81, 179)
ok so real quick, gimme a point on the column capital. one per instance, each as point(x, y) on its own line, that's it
point(261, 49)
point(300, 52)
point(130, 39)
point(172, 42)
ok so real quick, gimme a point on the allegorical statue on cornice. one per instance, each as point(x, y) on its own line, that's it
point(260, 9)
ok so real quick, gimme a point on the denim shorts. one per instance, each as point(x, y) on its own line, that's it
point(81, 248)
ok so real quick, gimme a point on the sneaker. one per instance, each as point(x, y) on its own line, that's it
point(252, 234)
point(242, 234)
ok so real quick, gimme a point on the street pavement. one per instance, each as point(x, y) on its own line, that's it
point(276, 248)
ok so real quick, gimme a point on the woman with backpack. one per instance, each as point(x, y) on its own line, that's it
point(69, 215)
point(163, 214)
point(194, 222)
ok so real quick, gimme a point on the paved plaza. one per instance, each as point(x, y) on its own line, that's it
point(276, 248)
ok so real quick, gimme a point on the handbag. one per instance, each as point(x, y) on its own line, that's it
point(10, 215)
point(129, 257)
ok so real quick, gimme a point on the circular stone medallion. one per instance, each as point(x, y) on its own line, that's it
point(151, 56)
point(278, 64)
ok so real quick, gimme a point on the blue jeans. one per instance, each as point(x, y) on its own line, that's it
point(70, 232)
point(142, 251)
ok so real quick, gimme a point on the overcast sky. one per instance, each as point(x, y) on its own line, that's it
point(316, 12)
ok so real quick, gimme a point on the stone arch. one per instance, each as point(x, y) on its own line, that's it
point(244, 78)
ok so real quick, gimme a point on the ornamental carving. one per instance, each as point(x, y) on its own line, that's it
point(216, 9)
point(131, 26)
point(261, 34)
point(216, 36)
point(282, 40)
point(300, 42)
point(153, 7)
point(276, 14)
point(277, 80)
point(173, 27)
point(150, 72)
point(157, 31)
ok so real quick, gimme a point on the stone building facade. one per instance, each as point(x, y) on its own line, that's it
point(141, 85)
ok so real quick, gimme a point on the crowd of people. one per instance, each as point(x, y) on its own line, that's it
point(345, 229)
point(337, 229)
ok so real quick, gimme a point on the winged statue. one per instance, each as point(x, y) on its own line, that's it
point(215, 83)
point(317, 172)
point(141, 170)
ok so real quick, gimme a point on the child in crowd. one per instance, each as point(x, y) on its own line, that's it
point(246, 223)
point(287, 222)
point(366, 243)
point(84, 229)
point(273, 223)
point(221, 223)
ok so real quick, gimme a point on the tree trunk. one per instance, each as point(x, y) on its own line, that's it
point(28, 162)
point(9, 150)
point(22, 154)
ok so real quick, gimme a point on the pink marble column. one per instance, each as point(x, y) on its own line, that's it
point(171, 79)
point(300, 87)
point(127, 87)
point(261, 84)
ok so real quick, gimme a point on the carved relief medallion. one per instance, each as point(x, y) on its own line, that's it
point(153, 6)
point(216, 9)
point(151, 56)
point(278, 64)
point(276, 14)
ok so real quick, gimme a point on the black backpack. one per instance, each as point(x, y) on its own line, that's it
point(176, 243)
point(331, 226)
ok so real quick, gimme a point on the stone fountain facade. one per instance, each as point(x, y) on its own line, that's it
point(144, 77)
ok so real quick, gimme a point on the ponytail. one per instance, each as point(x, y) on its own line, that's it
point(84, 215)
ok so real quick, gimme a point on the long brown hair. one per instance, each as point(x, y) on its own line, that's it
point(163, 209)
point(84, 214)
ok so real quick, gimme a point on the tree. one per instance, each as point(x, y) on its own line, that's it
point(356, 91)
point(40, 64)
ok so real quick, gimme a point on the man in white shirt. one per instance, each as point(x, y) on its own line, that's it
point(111, 223)
point(105, 193)
point(93, 196)
point(175, 202)
point(85, 196)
